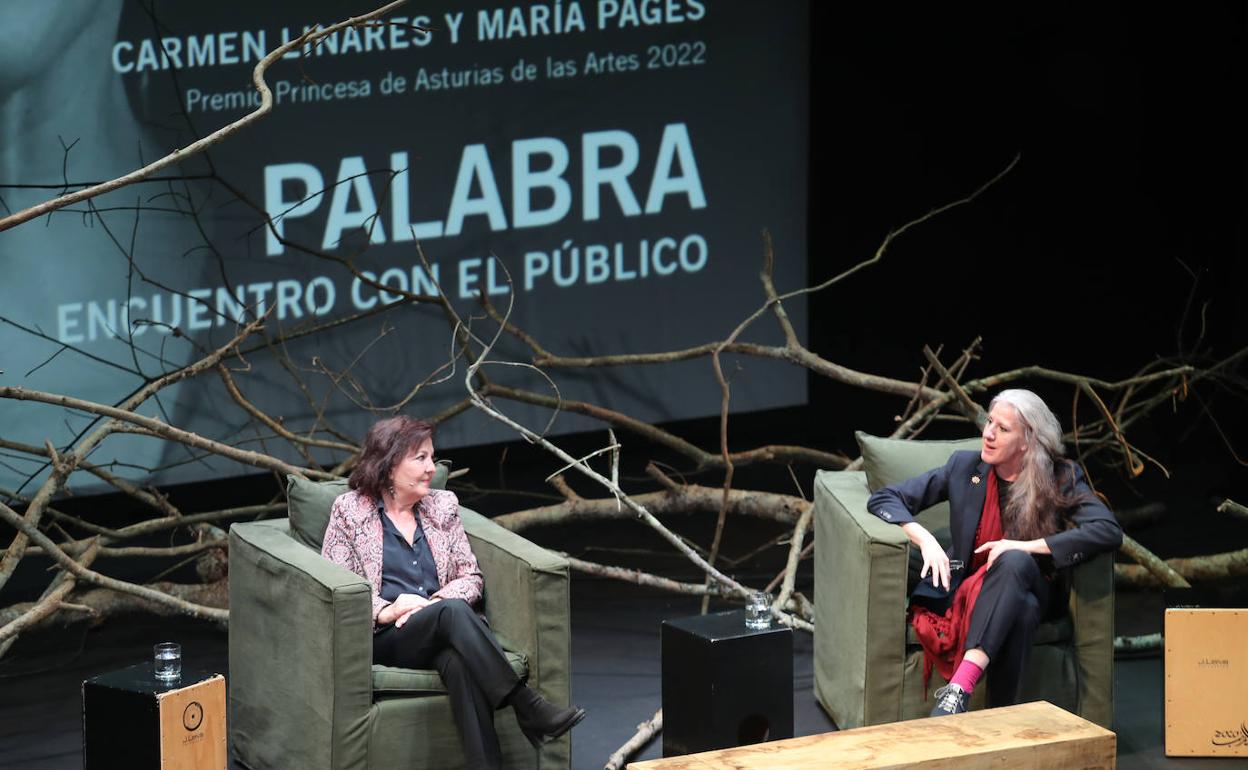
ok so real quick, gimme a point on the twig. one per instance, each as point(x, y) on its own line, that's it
point(67, 563)
point(55, 480)
point(483, 405)
point(164, 430)
point(971, 409)
point(1233, 508)
point(735, 561)
point(702, 459)
point(610, 448)
point(796, 353)
point(795, 556)
point(1133, 464)
point(637, 577)
point(690, 498)
point(1138, 643)
point(562, 486)
point(654, 472)
point(1213, 566)
point(179, 155)
point(52, 598)
point(300, 441)
point(645, 733)
point(1148, 562)
point(188, 549)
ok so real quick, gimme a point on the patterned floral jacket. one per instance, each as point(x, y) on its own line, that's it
point(353, 540)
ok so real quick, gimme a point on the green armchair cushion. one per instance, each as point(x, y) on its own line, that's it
point(310, 502)
point(892, 460)
point(391, 681)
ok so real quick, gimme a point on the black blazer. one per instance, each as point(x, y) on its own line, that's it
point(1089, 527)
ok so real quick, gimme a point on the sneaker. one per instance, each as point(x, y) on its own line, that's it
point(950, 699)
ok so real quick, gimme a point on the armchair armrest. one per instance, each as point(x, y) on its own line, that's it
point(1092, 615)
point(526, 601)
point(860, 604)
point(528, 607)
point(300, 643)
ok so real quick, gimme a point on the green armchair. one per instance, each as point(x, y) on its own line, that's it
point(868, 664)
point(303, 691)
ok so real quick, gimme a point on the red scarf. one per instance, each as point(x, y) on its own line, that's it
point(942, 636)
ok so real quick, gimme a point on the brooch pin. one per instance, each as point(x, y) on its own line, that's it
point(974, 479)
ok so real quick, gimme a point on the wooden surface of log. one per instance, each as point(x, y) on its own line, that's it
point(1032, 735)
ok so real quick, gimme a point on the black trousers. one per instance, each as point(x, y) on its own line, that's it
point(1013, 600)
point(450, 637)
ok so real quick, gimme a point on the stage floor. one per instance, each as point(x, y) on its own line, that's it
point(616, 677)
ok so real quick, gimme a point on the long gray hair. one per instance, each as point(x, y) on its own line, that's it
point(1036, 496)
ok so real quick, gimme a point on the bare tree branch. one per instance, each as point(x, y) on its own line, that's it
point(688, 498)
point(702, 459)
point(483, 405)
point(1233, 508)
point(1208, 567)
point(795, 556)
point(60, 557)
point(645, 733)
point(1160, 570)
point(164, 430)
point(51, 600)
point(221, 134)
point(637, 577)
point(56, 479)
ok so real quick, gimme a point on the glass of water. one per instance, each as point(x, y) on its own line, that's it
point(168, 657)
point(758, 611)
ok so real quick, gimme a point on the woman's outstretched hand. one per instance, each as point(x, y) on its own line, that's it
point(935, 560)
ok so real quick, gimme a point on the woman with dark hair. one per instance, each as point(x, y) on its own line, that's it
point(1019, 513)
point(408, 542)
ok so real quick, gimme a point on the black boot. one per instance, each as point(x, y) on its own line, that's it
point(540, 720)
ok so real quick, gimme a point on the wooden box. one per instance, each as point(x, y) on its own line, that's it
point(131, 719)
point(723, 684)
point(1206, 682)
point(1037, 735)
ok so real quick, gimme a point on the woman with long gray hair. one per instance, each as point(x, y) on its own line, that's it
point(1020, 513)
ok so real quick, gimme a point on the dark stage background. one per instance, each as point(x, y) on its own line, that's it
point(1118, 239)
point(1128, 195)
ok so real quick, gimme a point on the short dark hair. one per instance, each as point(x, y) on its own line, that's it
point(387, 444)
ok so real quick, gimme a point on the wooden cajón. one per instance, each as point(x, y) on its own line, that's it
point(133, 720)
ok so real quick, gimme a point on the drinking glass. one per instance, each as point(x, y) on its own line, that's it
point(168, 657)
point(758, 611)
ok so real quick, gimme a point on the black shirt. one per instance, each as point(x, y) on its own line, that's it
point(405, 569)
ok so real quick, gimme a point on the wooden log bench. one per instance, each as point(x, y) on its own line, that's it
point(1030, 735)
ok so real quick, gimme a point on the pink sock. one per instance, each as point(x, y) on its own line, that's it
point(967, 675)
